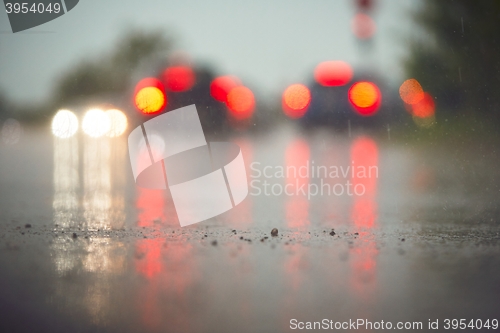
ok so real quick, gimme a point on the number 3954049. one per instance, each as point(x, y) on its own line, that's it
point(455, 324)
point(25, 8)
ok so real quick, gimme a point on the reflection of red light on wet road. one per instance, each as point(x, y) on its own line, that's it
point(241, 215)
point(297, 156)
point(364, 212)
point(149, 252)
point(150, 204)
point(364, 269)
point(334, 211)
point(364, 156)
point(170, 271)
point(297, 266)
point(155, 208)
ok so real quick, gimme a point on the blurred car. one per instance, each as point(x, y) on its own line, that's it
point(366, 101)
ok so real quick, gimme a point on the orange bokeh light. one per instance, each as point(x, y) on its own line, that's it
point(241, 102)
point(179, 78)
point(363, 26)
point(220, 87)
point(365, 97)
point(296, 99)
point(333, 73)
point(411, 91)
point(149, 96)
point(425, 108)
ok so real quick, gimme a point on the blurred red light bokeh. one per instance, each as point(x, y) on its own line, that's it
point(363, 26)
point(411, 91)
point(241, 102)
point(296, 99)
point(364, 154)
point(365, 97)
point(333, 73)
point(179, 78)
point(220, 87)
point(425, 108)
point(149, 95)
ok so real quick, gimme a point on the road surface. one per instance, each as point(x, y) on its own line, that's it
point(82, 249)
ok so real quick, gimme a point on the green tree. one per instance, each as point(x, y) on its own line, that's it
point(111, 73)
point(459, 59)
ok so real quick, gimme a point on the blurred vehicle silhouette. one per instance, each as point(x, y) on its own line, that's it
point(223, 102)
point(366, 101)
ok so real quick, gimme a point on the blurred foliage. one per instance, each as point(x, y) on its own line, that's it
point(111, 74)
point(108, 75)
point(459, 61)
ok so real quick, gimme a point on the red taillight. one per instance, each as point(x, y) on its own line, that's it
point(365, 97)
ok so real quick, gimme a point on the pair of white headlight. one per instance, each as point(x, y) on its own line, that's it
point(95, 123)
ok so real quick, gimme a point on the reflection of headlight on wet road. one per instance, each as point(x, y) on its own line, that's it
point(118, 123)
point(96, 123)
point(64, 124)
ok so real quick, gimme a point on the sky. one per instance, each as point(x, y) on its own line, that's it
point(268, 44)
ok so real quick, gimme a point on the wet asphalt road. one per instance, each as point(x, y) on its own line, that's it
point(82, 249)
